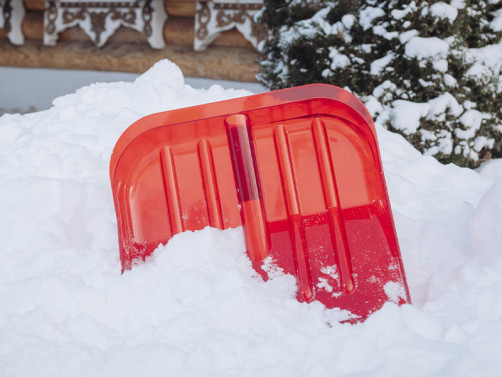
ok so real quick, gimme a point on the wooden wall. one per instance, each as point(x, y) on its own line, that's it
point(230, 57)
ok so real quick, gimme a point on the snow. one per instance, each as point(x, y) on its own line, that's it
point(487, 61)
point(450, 81)
point(443, 10)
point(338, 60)
point(399, 14)
point(368, 14)
point(394, 291)
point(491, 170)
point(407, 35)
point(406, 115)
point(484, 237)
point(458, 4)
point(423, 48)
point(348, 21)
point(471, 119)
point(440, 65)
point(496, 23)
point(196, 307)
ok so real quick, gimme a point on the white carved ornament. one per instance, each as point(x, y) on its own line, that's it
point(100, 19)
point(11, 17)
point(214, 17)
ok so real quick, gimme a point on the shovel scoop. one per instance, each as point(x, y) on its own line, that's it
point(298, 168)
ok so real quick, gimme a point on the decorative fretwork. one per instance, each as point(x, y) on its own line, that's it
point(100, 19)
point(11, 17)
point(212, 18)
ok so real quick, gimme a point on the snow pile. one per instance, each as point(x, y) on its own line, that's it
point(196, 307)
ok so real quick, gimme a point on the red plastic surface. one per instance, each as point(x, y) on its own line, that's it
point(298, 168)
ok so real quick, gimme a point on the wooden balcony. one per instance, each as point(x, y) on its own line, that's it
point(226, 54)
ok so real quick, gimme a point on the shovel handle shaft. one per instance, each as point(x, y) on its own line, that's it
point(248, 192)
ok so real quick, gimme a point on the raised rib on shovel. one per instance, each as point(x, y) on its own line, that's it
point(298, 168)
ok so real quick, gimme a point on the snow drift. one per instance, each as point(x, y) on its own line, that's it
point(196, 307)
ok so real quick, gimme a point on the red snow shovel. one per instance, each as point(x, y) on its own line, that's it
point(298, 168)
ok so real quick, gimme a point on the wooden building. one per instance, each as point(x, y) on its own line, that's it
point(216, 39)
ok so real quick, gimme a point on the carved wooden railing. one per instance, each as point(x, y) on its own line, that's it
point(131, 35)
point(100, 19)
point(213, 17)
point(11, 17)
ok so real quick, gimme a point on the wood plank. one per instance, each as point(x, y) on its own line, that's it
point(182, 30)
point(173, 8)
point(34, 5)
point(217, 62)
point(180, 8)
point(33, 25)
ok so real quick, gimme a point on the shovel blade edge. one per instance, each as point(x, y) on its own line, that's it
point(300, 170)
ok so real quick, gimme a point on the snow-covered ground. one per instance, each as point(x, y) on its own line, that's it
point(196, 308)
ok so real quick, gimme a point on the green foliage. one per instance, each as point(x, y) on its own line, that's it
point(388, 52)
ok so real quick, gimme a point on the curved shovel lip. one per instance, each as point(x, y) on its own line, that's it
point(244, 104)
point(264, 112)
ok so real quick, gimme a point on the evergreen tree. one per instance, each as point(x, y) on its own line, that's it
point(418, 65)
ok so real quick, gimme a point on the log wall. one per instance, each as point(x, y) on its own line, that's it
point(230, 57)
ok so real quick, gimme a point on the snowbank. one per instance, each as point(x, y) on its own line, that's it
point(196, 308)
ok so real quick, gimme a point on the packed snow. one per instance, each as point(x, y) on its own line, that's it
point(443, 10)
point(196, 307)
point(423, 48)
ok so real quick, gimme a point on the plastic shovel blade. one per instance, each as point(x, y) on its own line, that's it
point(298, 168)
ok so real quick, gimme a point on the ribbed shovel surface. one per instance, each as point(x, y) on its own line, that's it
point(298, 168)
